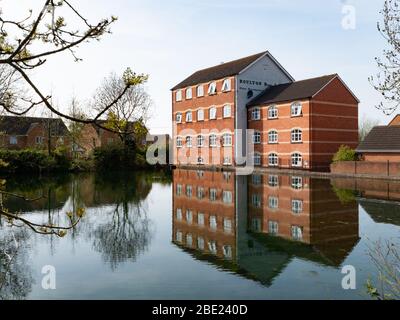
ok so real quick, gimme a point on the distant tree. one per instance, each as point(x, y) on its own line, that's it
point(128, 116)
point(27, 44)
point(387, 82)
point(365, 127)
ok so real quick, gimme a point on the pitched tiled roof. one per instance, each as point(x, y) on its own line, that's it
point(292, 91)
point(220, 71)
point(19, 126)
point(381, 139)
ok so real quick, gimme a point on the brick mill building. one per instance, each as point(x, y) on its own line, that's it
point(295, 124)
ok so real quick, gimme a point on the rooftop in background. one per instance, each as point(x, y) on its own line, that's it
point(292, 91)
point(381, 139)
point(220, 71)
point(19, 126)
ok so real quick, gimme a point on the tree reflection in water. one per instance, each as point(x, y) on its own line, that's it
point(15, 274)
point(125, 231)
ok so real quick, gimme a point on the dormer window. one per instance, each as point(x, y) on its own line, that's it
point(178, 95)
point(296, 109)
point(200, 91)
point(212, 88)
point(226, 85)
point(189, 93)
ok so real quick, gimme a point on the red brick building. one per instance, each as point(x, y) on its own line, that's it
point(18, 133)
point(297, 124)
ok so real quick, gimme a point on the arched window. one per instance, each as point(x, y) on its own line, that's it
point(189, 116)
point(200, 141)
point(272, 112)
point(200, 115)
point(297, 160)
point(213, 113)
point(273, 159)
point(213, 140)
point(200, 91)
point(227, 111)
point(189, 93)
point(296, 135)
point(226, 85)
point(226, 139)
point(179, 142)
point(273, 136)
point(295, 109)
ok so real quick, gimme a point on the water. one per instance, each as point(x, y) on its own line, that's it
point(196, 235)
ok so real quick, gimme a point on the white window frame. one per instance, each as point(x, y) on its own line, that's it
point(179, 142)
point(227, 250)
point(179, 214)
point(227, 225)
point(189, 93)
point(296, 160)
point(178, 117)
point(213, 140)
point(13, 140)
point(213, 194)
point(227, 85)
point(200, 115)
point(201, 219)
point(189, 116)
point(297, 206)
point(227, 161)
point(273, 136)
point(296, 109)
point(179, 236)
point(200, 141)
point(200, 160)
point(273, 112)
point(189, 191)
point(227, 196)
point(256, 200)
point(297, 182)
point(189, 240)
point(178, 189)
point(273, 202)
point(273, 227)
point(200, 91)
point(227, 140)
point(273, 159)
point(227, 111)
point(212, 88)
point(256, 114)
point(257, 159)
point(200, 193)
point(200, 243)
point(273, 180)
point(297, 233)
point(189, 142)
point(212, 113)
point(213, 222)
point(212, 247)
point(256, 137)
point(189, 216)
point(296, 135)
point(178, 95)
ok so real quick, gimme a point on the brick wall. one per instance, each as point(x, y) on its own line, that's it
point(388, 169)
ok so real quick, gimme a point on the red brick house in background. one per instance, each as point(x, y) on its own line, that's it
point(92, 136)
point(31, 132)
point(297, 124)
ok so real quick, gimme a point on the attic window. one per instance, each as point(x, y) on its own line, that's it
point(226, 86)
point(212, 88)
point(13, 140)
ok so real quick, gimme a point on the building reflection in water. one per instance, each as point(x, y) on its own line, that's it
point(255, 225)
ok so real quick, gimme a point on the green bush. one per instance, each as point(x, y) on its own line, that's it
point(345, 153)
point(32, 161)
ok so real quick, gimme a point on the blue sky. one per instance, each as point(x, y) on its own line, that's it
point(171, 39)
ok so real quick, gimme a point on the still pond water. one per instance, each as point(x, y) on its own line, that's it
point(196, 235)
